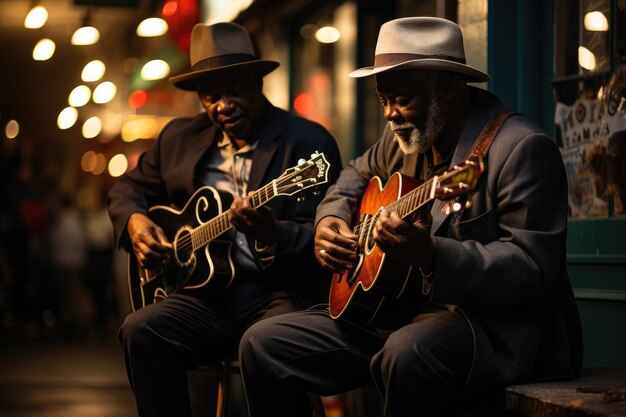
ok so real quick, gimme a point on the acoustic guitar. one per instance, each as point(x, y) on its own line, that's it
point(201, 252)
point(358, 294)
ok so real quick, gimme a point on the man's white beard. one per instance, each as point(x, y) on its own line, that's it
point(421, 141)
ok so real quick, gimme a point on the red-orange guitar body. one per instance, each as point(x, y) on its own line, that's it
point(359, 294)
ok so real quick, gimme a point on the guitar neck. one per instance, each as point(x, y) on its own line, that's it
point(415, 199)
point(221, 223)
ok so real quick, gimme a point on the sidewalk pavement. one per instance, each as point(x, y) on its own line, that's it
point(45, 378)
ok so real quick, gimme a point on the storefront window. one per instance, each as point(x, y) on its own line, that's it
point(590, 115)
point(325, 45)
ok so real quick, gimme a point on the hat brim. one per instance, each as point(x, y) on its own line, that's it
point(430, 63)
point(187, 81)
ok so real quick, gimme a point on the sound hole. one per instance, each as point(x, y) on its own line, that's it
point(369, 239)
point(356, 269)
point(183, 247)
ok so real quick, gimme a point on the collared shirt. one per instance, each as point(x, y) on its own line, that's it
point(227, 168)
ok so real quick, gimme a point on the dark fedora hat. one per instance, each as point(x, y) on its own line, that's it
point(420, 43)
point(217, 48)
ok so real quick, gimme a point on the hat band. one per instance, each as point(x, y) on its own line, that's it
point(222, 60)
point(384, 60)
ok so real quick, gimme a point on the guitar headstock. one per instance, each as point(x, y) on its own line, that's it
point(305, 175)
point(459, 180)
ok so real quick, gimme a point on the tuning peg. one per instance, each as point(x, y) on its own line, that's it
point(468, 204)
point(301, 161)
point(314, 154)
point(456, 206)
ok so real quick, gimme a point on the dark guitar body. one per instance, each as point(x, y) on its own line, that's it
point(209, 266)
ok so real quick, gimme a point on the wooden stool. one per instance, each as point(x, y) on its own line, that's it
point(224, 369)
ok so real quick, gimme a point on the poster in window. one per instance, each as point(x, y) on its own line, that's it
point(592, 137)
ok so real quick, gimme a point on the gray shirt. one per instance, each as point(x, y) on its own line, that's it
point(228, 169)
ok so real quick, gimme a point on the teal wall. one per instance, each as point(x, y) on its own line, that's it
point(596, 256)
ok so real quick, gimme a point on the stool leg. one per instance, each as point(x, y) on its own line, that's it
point(318, 406)
point(222, 395)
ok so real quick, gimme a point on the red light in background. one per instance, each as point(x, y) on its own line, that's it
point(304, 104)
point(169, 8)
point(181, 16)
point(138, 99)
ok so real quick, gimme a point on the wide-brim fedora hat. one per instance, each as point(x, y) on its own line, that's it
point(421, 43)
point(217, 48)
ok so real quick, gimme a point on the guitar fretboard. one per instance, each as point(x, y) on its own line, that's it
point(413, 200)
point(219, 224)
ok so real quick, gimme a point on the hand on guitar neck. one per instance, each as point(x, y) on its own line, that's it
point(258, 223)
point(407, 243)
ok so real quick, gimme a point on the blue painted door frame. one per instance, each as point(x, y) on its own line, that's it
point(520, 56)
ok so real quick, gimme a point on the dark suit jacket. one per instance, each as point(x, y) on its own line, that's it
point(503, 259)
point(167, 175)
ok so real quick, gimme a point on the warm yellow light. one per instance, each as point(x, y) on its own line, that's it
point(104, 92)
point(79, 96)
point(93, 71)
point(86, 35)
point(44, 50)
point(92, 127)
point(156, 69)
point(67, 118)
point(153, 26)
point(586, 58)
point(118, 165)
point(596, 22)
point(143, 128)
point(12, 129)
point(36, 18)
point(327, 34)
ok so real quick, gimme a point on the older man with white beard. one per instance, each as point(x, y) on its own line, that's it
point(464, 301)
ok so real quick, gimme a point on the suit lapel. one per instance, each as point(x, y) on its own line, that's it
point(478, 118)
point(197, 147)
point(267, 146)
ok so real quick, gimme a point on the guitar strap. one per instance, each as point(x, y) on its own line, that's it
point(482, 143)
point(488, 134)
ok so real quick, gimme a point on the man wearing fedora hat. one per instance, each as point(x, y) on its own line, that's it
point(485, 301)
point(238, 144)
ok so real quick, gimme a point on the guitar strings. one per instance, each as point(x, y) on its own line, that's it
point(186, 242)
point(393, 207)
point(410, 195)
